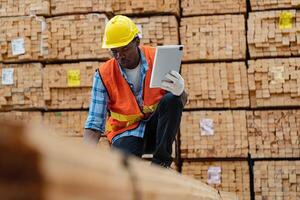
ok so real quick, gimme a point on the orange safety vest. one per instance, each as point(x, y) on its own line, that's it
point(124, 111)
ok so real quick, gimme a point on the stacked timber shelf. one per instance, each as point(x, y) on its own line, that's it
point(213, 134)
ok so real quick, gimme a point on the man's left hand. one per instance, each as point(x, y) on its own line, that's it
point(174, 84)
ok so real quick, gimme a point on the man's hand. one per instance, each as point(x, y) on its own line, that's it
point(91, 137)
point(175, 83)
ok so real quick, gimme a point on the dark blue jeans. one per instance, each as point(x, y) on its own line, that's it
point(160, 132)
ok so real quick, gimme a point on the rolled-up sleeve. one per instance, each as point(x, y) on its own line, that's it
point(98, 105)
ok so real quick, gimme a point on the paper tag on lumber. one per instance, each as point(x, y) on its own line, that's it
point(277, 74)
point(214, 175)
point(140, 34)
point(7, 76)
point(286, 20)
point(17, 46)
point(207, 126)
point(74, 78)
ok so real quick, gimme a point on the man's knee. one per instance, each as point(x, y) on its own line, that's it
point(170, 100)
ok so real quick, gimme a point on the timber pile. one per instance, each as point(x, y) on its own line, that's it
point(46, 167)
point(68, 123)
point(219, 134)
point(274, 33)
point(21, 86)
point(22, 116)
point(24, 7)
point(131, 7)
point(274, 133)
point(59, 7)
point(277, 180)
point(204, 7)
point(23, 39)
point(271, 4)
point(68, 85)
point(216, 85)
point(158, 30)
point(274, 82)
point(231, 176)
point(218, 37)
point(75, 37)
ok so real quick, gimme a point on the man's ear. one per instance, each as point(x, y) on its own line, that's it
point(137, 40)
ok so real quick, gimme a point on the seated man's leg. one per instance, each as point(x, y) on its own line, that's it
point(130, 144)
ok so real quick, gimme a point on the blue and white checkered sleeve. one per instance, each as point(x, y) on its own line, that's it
point(98, 105)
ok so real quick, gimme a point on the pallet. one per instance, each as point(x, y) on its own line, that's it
point(213, 134)
point(274, 33)
point(230, 176)
point(68, 86)
point(274, 133)
point(205, 7)
point(274, 82)
point(276, 180)
point(271, 4)
point(216, 85)
point(219, 37)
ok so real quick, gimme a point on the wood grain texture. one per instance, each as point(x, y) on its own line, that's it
point(271, 4)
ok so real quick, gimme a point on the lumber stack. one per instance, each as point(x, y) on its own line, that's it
point(74, 37)
point(231, 176)
point(274, 133)
point(216, 85)
point(269, 4)
point(45, 167)
point(274, 33)
point(68, 86)
point(26, 116)
point(277, 179)
point(217, 37)
point(21, 86)
point(23, 39)
point(158, 30)
point(204, 7)
point(24, 7)
point(210, 134)
point(68, 123)
point(274, 82)
point(59, 7)
point(144, 7)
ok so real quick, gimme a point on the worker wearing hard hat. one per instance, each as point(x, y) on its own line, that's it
point(134, 117)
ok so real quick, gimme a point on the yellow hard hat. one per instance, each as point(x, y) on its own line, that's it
point(119, 31)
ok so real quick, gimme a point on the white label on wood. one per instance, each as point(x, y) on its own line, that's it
point(17, 46)
point(214, 175)
point(139, 26)
point(207, 126)
point(7, 76)
point(277, 74)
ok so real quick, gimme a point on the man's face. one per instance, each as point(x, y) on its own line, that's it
point(127, 56)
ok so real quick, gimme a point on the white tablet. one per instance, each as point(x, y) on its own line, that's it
point(167, 58)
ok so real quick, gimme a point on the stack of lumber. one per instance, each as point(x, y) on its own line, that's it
point(59, 7)
point(46, 167)
point(158, 30)
point(131, 7)
point(21, 86)
point(68, 123)
point(224, 175)
point(274, 33)
point(217, 134)
point(74, 37)
point(274, 133)
point(24, 7)
point(217, 37)
point(274, 82)
point(216, 85)
point(23, 38)
point(68, 85)
point(205, 7)
point(277, 180)
point(22, 116)
point(273, 4)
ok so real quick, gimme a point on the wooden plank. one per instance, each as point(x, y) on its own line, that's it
point(25, 116)
point(213, 134)
point(204, 7)
point(230, 176)
point(274, 82)
point(274, 133)
point(269, 4)
point(218, 37)
point(277, 179)
point(228, 83)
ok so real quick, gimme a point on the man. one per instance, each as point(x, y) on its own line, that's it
point(134, 117)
